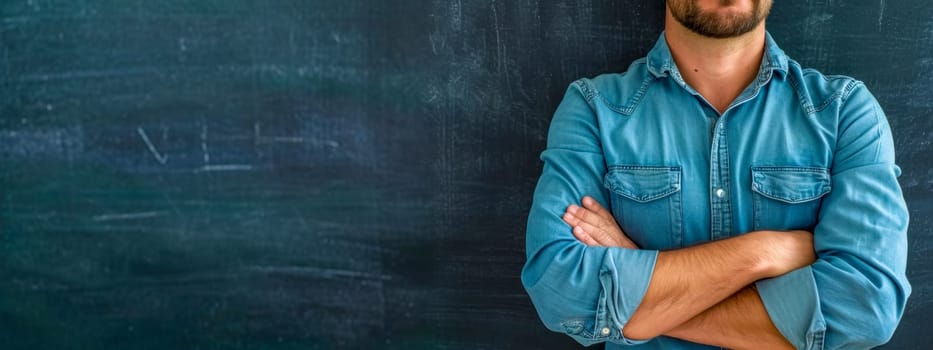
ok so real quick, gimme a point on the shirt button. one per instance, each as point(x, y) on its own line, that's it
point(605, 331)
point(720, 193)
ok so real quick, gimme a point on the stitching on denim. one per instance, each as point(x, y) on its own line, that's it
point(840, 95)
point(849, 88)
point(596, 317)
point(757, 187)
point(674, 187)
point(793, 169)
point(587, 90)
point(612, 106)
point(756, 205)
point(775, 63)
point(646, 199)
point(726, 181)
point(644, 167)
point(804, 102)
point(590, 93)
point(817, 340)
point(808, 105)
point(787, 199)
point(636, 99)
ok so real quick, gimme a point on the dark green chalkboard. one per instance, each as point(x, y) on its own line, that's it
point(246, 174)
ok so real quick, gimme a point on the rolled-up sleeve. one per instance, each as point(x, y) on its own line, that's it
point(586, 292)
point(854, 295)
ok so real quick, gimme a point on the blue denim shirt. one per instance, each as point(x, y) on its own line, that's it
point(796, 150)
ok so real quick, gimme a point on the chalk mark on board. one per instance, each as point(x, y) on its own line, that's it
point(88, 74)
point(224, 167)
point(459, 17)
point(158, 156)
point(204, 151)
point(500, 54)
point(880, 15)
point(259, 139)
point(128, 216)
point(322, 272)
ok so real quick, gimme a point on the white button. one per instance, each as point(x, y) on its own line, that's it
point(720, 193)
point(605, 331)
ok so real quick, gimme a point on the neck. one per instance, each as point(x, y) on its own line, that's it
point(719, 69)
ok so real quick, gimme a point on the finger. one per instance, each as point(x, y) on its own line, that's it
point(627, 243)
point(576, 214)
point(584, 237)
point(598, 234)
point(593, 205)
point(586, 215)
point(592, 218)
point(570, 219)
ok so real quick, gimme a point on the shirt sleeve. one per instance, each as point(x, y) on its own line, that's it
point(854, 295)
point(588, 293)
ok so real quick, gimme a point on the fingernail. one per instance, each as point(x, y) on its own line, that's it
point(572, 209)
point(587, 200)
point(578, 230)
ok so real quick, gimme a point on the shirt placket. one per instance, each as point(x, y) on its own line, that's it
point(720, 205)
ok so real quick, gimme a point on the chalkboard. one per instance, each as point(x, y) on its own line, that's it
point(247, 174)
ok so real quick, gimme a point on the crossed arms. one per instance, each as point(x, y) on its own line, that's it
point(703, 293)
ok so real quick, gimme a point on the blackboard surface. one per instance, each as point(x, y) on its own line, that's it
point(247, 174)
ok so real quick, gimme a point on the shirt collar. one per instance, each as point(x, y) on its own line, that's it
point(661, 63)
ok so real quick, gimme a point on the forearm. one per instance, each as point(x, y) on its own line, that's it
point(689, 281)
point(738, 322)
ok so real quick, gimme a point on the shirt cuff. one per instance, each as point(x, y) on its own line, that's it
point(793, 303)
point(623, 287)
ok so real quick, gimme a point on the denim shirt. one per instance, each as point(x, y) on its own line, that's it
point(796, 150)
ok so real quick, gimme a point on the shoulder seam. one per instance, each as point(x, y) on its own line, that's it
point(591, 94)
point(840, 95)
point(849, 88)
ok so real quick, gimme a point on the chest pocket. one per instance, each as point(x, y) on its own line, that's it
point(788, 198)
point(646, 201)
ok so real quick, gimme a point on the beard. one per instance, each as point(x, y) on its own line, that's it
point(718, 25)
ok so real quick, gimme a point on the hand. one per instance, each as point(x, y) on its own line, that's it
point(594, 225)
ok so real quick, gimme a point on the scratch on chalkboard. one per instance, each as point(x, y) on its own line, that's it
point(437, 41)
point(204, 151)
point(457, 19)
point(259, 138)
point(499, 48)
point(88, 74)
point(128, 216)
point(323, 272)
point(880, 15)
point(158, 156)
point(283, 139)
point(224, 167)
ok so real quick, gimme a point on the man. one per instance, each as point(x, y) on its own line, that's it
point(752, 203)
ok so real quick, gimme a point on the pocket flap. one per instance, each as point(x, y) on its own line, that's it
point(642, 183)
point(791, 184)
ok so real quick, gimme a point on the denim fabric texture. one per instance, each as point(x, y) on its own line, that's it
point(796, 150)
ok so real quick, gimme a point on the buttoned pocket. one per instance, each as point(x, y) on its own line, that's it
point(646, 202)
point(788, 198)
